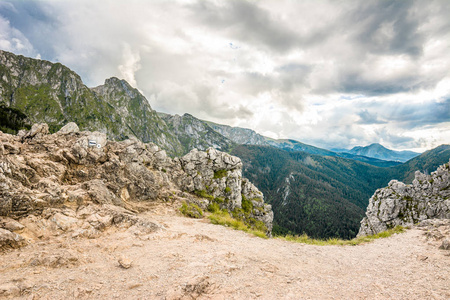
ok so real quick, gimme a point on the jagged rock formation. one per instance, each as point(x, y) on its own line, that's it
point(63, 174)
point(136, 113)
point(428, 197)
point(195, 133)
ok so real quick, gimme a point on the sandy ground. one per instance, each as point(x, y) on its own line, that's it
point(190, 259)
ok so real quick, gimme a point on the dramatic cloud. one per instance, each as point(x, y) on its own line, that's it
point(330, 73)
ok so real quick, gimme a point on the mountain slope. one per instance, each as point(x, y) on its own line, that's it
point(54, 94)
point(194, 133)
point(238, 135)
point(426, 163)
point(137, 115)
point(378, 151)
point(322, 196)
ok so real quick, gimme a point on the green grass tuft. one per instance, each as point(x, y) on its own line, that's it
point(305, 239)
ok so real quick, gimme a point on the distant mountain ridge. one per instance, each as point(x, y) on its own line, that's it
point(380, 152)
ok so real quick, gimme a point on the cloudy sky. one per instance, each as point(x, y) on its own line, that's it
point(328, 73)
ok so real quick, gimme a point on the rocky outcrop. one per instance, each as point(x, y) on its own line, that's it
point(428, 197)
point(74, 169)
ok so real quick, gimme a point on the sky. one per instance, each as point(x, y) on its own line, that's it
point(334, 74)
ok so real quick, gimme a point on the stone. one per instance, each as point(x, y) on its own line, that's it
point(125, 262)
point(63, 222)
point(37, 131)
point(9, 290)
point(70, 127)
point(445, 245)
point(10, 224)
point(10, 239)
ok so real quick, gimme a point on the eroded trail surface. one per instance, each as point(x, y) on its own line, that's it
point(190, 259)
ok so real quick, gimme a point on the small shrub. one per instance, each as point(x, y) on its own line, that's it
point(191, 210)
point(227, 189)
point(247, 205)
point(220, 174)
point(214, 207)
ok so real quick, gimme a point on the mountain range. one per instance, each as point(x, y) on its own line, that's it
point(379, 151)
point(317, 191)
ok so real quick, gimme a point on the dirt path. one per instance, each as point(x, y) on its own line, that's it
point(190, 259)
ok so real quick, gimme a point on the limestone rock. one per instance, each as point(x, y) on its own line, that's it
point(37, 131)
point(10, 224)
point(125, 262)
point(10, 239)
point(42, 173)
point(70, 127)
point(428, 197)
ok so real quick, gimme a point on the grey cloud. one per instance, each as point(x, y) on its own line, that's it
point(247, 22)
point(369, 118)
point(410, 116)
point(388, 27)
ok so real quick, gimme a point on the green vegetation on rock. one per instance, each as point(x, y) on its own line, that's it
point(191, 210)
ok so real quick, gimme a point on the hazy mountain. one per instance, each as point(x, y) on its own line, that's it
point(378, 151)
point(293, 145)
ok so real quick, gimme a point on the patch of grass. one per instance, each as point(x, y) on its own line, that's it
point(247, 205)
point(191, 210)
point(220, 174)
point(203, 194)
point(305, 239)
point(214, 207)
point(222, 217)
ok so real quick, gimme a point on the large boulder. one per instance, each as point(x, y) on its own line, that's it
point(428, 197)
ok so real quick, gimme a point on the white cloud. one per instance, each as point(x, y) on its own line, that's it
point(335, 74)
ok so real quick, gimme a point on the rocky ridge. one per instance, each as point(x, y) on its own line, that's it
point(239, 135)
point(428, 197)
point(195, 133)
point(79, 181)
